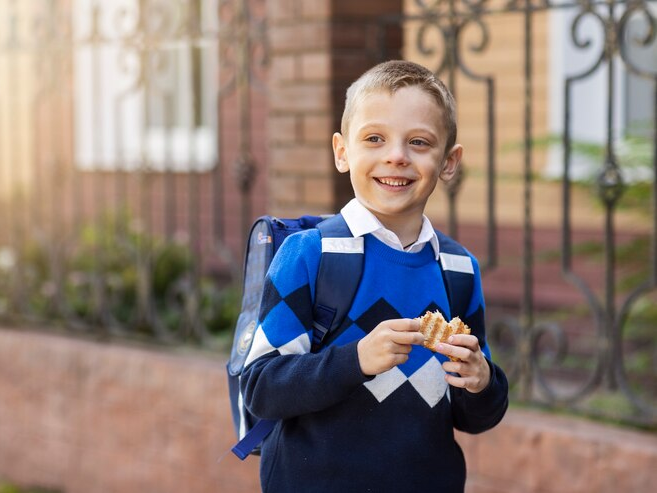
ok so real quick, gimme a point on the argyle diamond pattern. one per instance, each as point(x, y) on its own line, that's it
point(423, 369)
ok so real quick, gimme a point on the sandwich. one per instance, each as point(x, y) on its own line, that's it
point(436, 329)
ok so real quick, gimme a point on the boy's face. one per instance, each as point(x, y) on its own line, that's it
point(394, 152)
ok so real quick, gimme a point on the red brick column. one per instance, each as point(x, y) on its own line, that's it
point(300, 122)
point(317, 49)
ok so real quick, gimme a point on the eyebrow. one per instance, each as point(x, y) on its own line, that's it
point(372, 124)
point(376, 125)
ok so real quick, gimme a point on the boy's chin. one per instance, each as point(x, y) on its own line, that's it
point(401, 212)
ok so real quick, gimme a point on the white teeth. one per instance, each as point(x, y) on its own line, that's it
point(394, 182)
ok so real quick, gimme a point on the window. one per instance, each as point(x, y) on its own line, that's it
point(639, 91)
point(632, 96)
point(145, 85)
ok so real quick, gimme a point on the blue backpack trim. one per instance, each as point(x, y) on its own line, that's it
point(338, 278)
point(337, 282)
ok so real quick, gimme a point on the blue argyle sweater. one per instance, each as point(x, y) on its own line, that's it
point(341, 431)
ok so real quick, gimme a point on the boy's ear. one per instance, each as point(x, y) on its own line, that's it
point(451, 162)
point(340, 153)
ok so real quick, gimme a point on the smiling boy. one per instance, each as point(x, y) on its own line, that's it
point(374, 410)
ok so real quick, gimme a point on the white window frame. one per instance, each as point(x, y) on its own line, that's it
point(112, 129)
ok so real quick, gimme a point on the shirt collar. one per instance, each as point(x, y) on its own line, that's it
point(361, 222)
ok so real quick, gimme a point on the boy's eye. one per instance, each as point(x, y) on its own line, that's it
point(418, 142)
point(374, 138)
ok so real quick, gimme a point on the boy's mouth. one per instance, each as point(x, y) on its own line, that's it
point(394, 181)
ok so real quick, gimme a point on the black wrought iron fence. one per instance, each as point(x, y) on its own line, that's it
point(117, 173)
point(594, 128)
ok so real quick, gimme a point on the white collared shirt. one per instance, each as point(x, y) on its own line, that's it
point(361, 222)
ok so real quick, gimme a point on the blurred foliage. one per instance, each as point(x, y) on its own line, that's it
point(634, 154)
point(10, 488)
point(115, 273)
point(638, 330)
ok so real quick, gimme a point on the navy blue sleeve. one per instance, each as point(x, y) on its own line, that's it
point(475, 413)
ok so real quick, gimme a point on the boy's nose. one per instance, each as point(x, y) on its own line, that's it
point(397, 154)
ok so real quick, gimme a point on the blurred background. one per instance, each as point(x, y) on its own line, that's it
point(139, 139)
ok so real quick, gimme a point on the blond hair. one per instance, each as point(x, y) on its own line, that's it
point(393, 75)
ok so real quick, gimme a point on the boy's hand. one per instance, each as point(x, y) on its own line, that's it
point(473, 370)
point(388, 345)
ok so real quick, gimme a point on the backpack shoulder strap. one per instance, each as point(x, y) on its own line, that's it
point(252, 438)
point(340, 270)
point(458, 273)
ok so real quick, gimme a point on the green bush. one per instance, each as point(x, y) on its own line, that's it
point(10, 488)
point(147, 283)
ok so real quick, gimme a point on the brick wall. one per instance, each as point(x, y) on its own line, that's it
point(86, 417)
point(317, 49)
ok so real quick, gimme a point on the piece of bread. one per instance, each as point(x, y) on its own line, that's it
point(436, 329)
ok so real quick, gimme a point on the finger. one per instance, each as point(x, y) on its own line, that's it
point(393, 347)
point(454, 367)
point(457, 352)
point(402, 348)
point(407, 338)
point(471, 384)
point(455, 381)
point(465, 340)
point(404, 324)
point(399, 359)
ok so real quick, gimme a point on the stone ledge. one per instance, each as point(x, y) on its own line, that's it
point(534, 451)
point(86, 417)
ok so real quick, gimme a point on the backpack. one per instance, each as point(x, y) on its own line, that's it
point(339, 274)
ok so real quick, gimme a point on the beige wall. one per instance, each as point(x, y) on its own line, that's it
point(35, 116)
point(503, 60)
point(17, 83)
